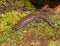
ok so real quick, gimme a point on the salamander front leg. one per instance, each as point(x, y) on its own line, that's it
point(38, 20)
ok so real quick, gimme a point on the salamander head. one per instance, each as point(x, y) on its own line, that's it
point(15, 28)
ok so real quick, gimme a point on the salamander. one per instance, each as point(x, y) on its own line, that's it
point(37, 16)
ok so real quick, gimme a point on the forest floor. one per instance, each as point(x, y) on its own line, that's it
point(39, 35)
point(29, 35)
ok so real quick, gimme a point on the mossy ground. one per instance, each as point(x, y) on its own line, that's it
point(9, 37)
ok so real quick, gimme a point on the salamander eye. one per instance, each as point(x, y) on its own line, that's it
point(14, 28)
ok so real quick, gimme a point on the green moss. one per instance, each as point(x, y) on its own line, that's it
point(53, 43)
point(10, 19)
